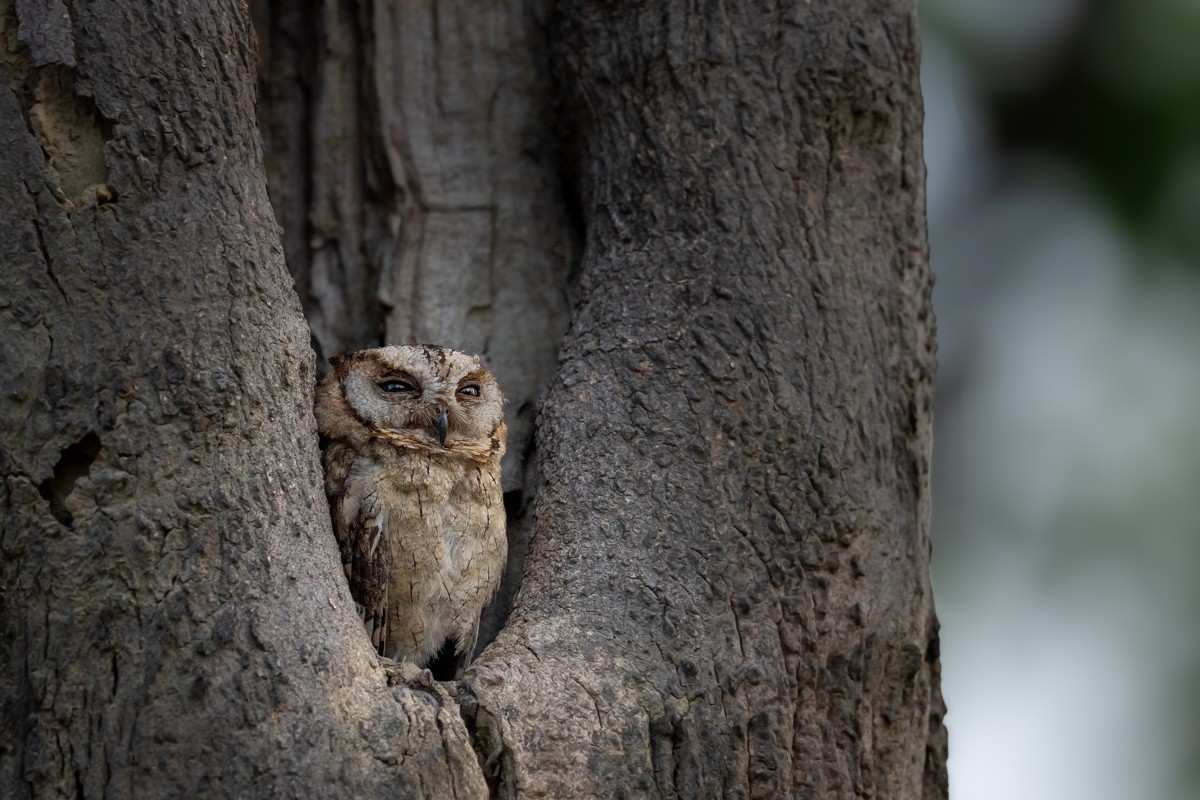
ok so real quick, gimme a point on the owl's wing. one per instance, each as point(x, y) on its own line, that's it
point(358, 525)
point(480, 587)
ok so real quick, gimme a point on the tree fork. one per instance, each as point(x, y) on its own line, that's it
point(727, 590)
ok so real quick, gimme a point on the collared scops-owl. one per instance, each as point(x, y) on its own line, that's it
point(413, 441)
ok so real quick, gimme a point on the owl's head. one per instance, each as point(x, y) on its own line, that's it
point(420, 397)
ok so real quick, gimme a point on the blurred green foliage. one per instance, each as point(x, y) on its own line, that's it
point(1117, 94)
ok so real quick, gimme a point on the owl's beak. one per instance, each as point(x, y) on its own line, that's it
point(439, 425)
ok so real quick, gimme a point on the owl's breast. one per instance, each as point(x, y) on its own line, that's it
point(450, 505)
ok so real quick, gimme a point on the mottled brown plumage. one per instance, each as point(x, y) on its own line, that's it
point(412, 471)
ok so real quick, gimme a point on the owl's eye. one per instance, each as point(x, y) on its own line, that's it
point(391, 387)
point(470, 390)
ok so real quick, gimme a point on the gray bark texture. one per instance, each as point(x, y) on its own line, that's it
point(718, 479)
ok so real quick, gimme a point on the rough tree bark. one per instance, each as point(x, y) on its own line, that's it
point(174, 619)
point(726, 592)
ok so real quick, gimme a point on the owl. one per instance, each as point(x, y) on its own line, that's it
point(412, 472)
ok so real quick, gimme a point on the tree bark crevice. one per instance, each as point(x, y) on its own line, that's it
point(429, 193)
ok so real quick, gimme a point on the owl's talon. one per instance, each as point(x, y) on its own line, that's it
point(409, 674)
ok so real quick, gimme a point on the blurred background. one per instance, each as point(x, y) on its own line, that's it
point(1063, 145)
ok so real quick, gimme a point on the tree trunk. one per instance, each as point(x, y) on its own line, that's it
point(726, 590)
point(175, 620)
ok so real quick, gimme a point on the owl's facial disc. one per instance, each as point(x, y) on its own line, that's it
point(424, 397)
point(429, 412)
